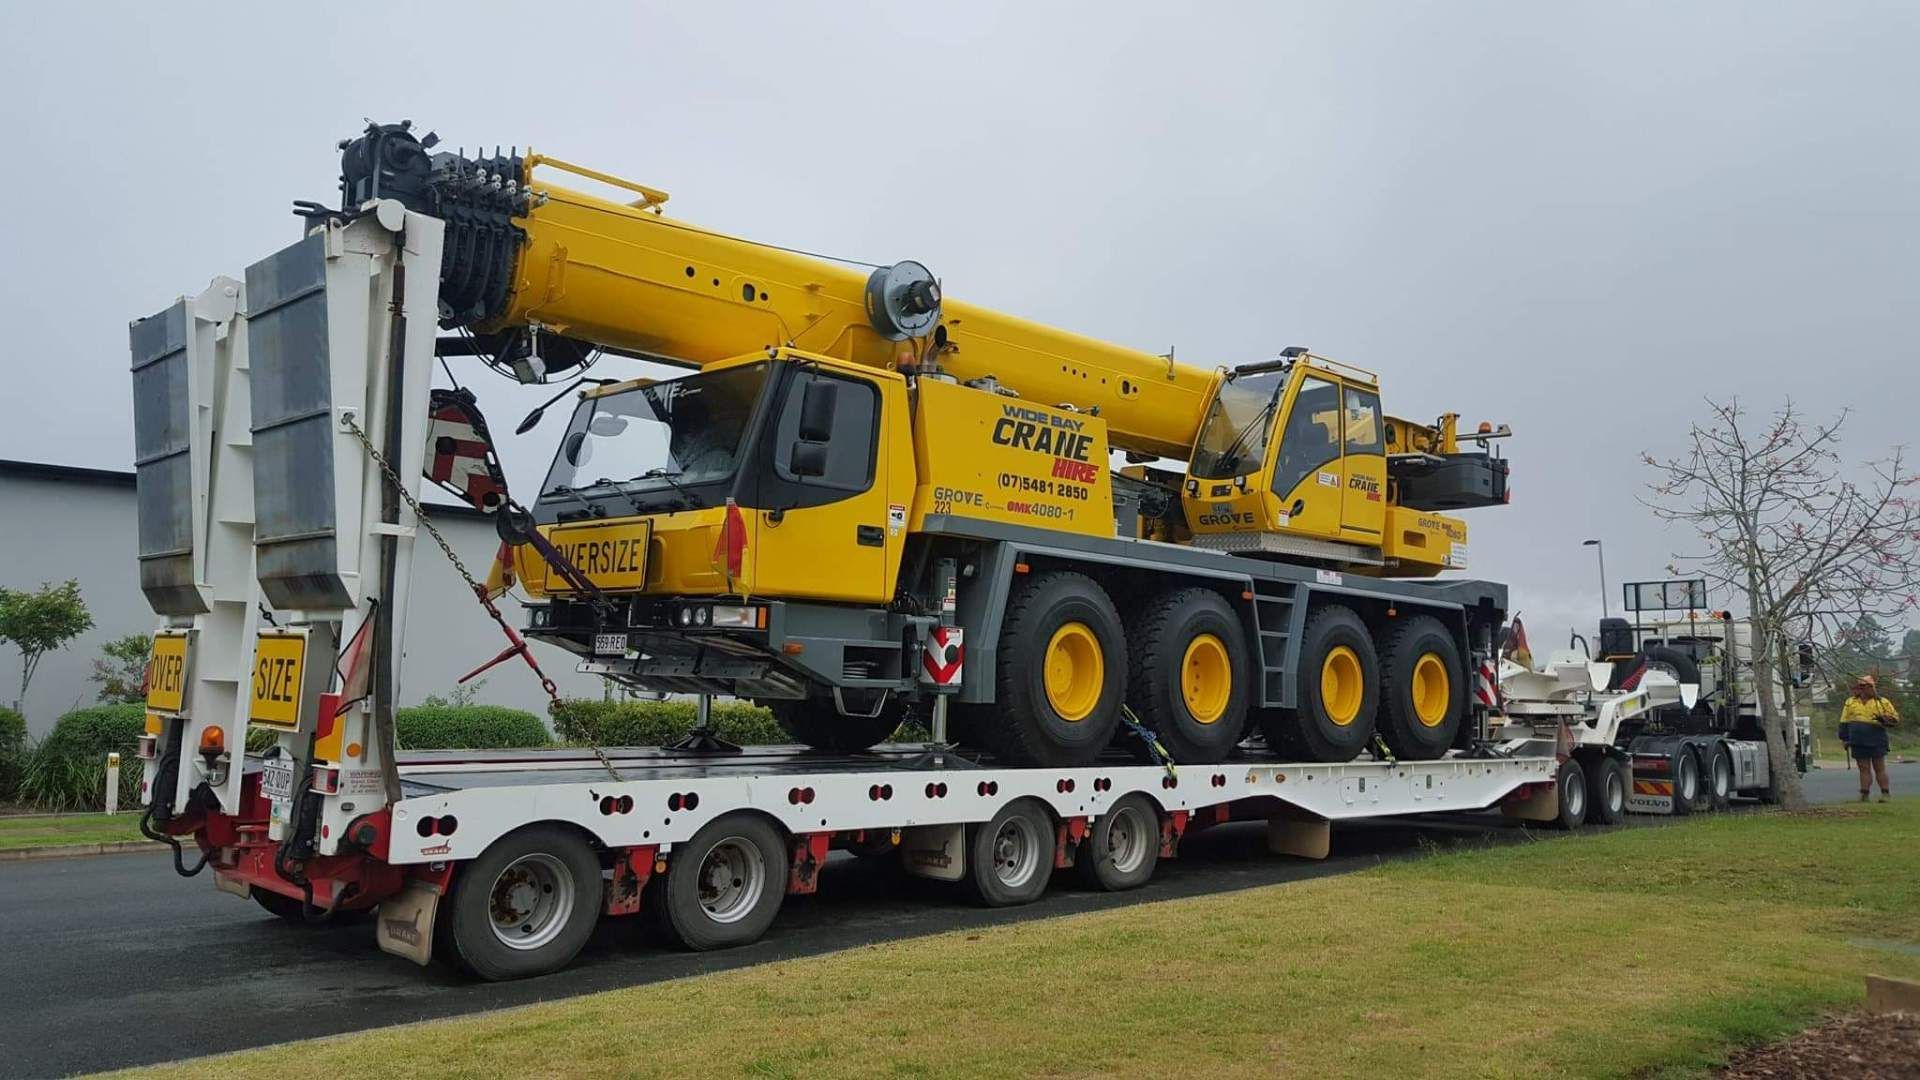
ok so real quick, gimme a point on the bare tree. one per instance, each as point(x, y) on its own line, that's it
point(1811, 543)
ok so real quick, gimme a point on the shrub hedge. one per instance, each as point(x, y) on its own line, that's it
point(469, 727)
point(13, 752)
point(68, 770)
point(656, 723)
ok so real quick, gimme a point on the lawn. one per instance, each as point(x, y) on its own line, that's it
point(1644, 951)
point(54, 830)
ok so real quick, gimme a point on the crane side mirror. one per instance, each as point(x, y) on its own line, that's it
point(817, 408)
point(807, 459)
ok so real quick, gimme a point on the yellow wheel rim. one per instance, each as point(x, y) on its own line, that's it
point(1075, 672)
point(1432, 689)
point(1342, 685)
point(1206, 679)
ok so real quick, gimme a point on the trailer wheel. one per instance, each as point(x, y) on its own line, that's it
point(1061, 673)
point(1189, 674)
point(816, 722)
point(1607, 792)
point(1423, 689)
point(1572, 782)
point(1686, 781)
point(1720, 779)
point(1338, 678)
point(526, 905)
point(725, 885)
point(1122, 847)
point(1010, 856)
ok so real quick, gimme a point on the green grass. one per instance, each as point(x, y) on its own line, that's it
point(1647, 951)
point(37, 831)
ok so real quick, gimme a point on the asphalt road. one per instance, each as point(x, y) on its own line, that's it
point(115, 961)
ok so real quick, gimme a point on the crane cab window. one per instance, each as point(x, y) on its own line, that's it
point(834, 421)
point(1363, 421)
point(1312, 436)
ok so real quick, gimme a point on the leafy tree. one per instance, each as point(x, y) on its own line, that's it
point(39, 622)
point(1910, 658)
point(121, 669)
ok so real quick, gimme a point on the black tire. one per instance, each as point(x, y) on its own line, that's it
point(1010, 856)
point(1027, 728)
point(725, 885)
point(1686, 781)
point(1683, 667)
point(284, 907)
point(1177, 639)
point(816, 722)
point(1572, 782)
point(1122, 847)
point(547, 871)
point(1720, 779)
point(1418, 652)
point(1606, 792)
point(1309, 731)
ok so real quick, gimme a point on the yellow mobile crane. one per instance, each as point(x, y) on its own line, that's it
point(858, 450)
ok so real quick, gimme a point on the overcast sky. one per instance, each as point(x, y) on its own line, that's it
point(1574, 219)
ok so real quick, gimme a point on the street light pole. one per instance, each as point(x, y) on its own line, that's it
point(1600, 551)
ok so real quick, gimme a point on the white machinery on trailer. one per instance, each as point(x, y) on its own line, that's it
point(282, 426)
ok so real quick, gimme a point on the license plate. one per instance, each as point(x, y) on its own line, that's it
point(609, 644)
point(167, 673)
point(276, 780)
point(277, 660)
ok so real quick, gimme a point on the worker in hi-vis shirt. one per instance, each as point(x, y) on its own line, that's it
point(1864, 721)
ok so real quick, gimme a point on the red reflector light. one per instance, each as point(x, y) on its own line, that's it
point(326, 779)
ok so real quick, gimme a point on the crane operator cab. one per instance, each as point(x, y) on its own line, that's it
point(1295, 458)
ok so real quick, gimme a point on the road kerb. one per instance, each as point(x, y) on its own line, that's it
point(73, 851)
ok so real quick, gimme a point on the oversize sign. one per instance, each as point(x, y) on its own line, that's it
point(277, 663)
point(167, 673)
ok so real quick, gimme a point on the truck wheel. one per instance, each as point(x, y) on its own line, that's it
point(1423, 689)
point(726, 884)
point(1010, 856)
point(526, 905)
point(1720, 779)
point(816, 722)
point(1686, 781)
point(1189, 674)
point(1122, 847)
point(1061, 673)
point(1607, 792)
point(1338, 674)
point(1572, 782)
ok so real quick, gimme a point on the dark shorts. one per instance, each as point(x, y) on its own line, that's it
point(1866, 741)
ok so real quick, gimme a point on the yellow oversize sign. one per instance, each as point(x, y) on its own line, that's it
point(167, 673)
point(277, 659)
point(612, 556)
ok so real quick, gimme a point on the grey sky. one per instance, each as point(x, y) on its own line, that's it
point(1573, 219)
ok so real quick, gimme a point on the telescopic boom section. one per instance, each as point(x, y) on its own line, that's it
point(523, 252)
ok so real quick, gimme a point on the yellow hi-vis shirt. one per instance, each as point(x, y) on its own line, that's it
point(1876, 711)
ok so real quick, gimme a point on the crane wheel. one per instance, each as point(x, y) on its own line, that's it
point(1061, 673)
point(1189, 684)
point(525, 906)
point(1423, 689)
point(1606, 791)
point(815, 722)
point(1338, 690)
point(1122, 847)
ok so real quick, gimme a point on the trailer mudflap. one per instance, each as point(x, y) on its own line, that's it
point(406, 922)
point(935, 851)
point(1299, 835)
point(1541, 803)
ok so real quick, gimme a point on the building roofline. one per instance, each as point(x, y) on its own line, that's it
point(41, 470)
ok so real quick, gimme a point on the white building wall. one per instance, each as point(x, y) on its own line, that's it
point(60, 524)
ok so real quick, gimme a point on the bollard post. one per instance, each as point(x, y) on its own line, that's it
point(113, 783)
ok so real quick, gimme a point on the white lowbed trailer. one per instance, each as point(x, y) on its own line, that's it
point(277, 548)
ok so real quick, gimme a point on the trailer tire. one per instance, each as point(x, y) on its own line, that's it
point(550, 879)
point(1122, 847)
point(292, 909)
point(1572, 784)
point(1686, 781)
point(817, 723)
point(1339, 677)
point(1010, 855)
point(1061, 674)
point(725, 885)
point(1190, 674)
point(1607, 792)
point(1720, 779)
point(1423, 689)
